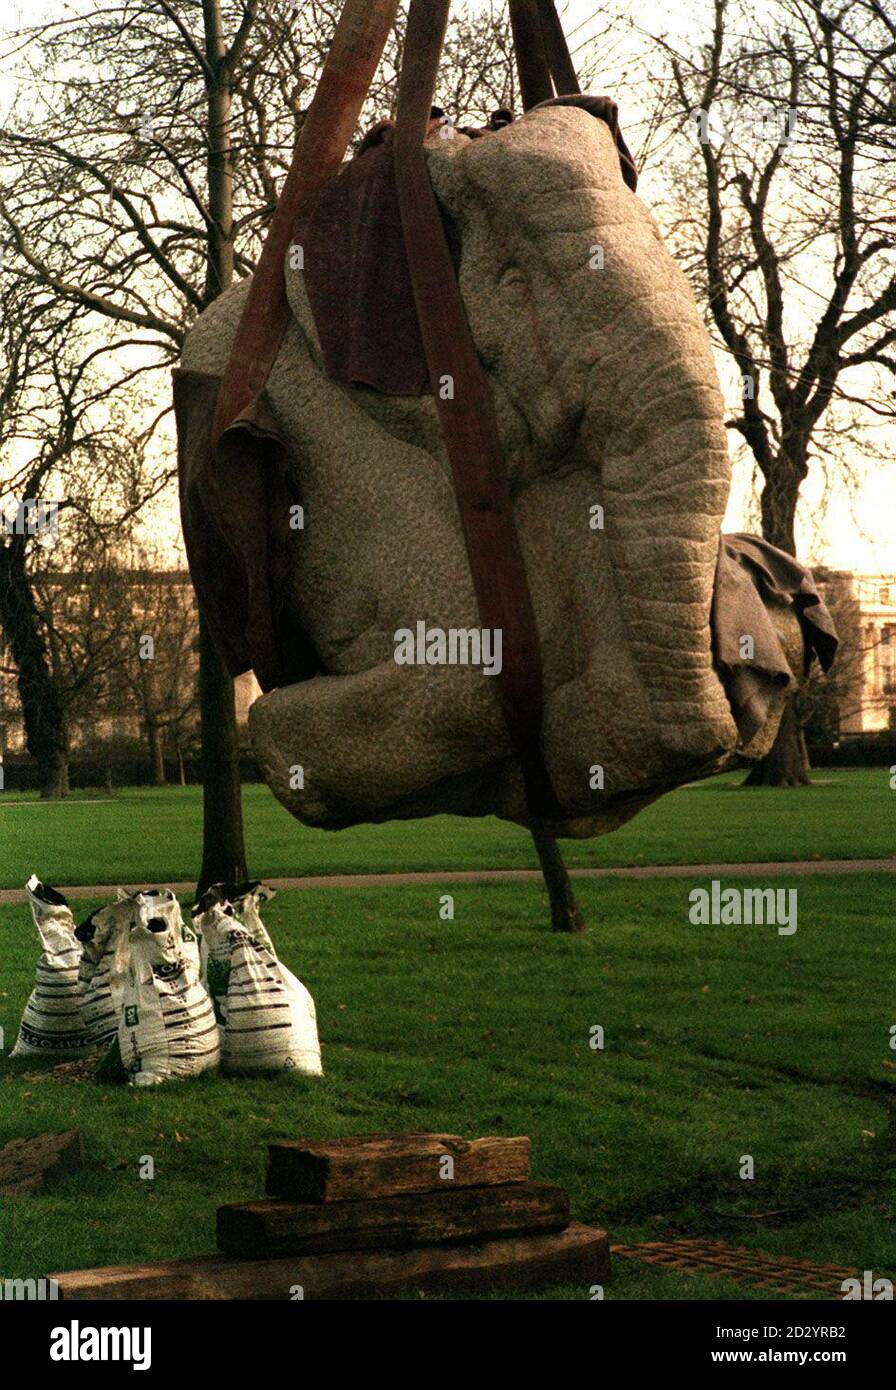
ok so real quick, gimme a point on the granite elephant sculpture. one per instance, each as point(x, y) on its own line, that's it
point(612, 425)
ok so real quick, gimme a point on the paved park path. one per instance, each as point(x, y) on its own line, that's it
point(768, 869)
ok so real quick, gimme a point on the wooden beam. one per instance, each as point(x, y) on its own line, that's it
point(382, 1165)
point(27, 1165)
point(580, 1255)
point(256, 1230)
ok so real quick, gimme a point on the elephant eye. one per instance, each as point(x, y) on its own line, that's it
point(512, 278)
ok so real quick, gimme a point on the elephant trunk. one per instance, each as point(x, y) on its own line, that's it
point(593, 333)
point(661, 458)
point(652, 439)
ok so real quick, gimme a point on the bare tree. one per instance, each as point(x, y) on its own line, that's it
point(72, 469)
point(124, 206)
point(785, 214)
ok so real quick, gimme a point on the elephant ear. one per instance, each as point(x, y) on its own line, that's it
point(356, 277)
point(753, 580)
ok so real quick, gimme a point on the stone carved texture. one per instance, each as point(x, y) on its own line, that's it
point(606, 392)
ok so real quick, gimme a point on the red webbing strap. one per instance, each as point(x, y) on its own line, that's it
point(531, 56)
point(328, 127)
point(557, 50)
point(467, 416)
point(543, 59)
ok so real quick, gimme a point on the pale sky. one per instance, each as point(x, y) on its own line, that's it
point(845, 531)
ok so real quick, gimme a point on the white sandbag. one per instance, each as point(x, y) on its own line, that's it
point(167, 907)
point(53, 1023)
point(221, 907)
point(212, 916)
point(105, 936)
point(167, 1026)
point(270, 1018)
point(104, 962)
point(246, 900)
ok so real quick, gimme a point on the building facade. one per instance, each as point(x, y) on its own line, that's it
point(144, 604)
point(864, 607)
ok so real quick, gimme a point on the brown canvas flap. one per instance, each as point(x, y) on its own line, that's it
point(235, 511)
point(356, 276)
point(750, 573)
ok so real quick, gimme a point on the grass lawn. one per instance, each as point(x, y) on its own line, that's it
point(720, 1042)
point(149, 835)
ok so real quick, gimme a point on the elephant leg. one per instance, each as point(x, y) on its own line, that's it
point(365, 746)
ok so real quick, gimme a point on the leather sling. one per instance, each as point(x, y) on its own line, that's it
point(542, 56)
point(557, 51)
point(531, 56)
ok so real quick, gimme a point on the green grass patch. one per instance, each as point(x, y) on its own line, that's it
point(719, 1042)
point(154, 835)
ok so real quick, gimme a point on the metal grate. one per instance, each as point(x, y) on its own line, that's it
point(777, 1273)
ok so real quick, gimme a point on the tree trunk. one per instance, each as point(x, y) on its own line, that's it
point(156, 753)
point(219, 243)
point(53, 772)
point(223, 848)
point(46, 737)
point(787, 762)
point(566, 915)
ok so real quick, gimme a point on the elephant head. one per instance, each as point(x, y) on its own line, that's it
point(611, 421)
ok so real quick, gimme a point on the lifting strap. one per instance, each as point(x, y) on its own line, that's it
point(559, 58)
point(542, 57)
point(467, 413)
point(467, 417)
point(329, 125)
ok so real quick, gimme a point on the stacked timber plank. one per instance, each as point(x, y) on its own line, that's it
point(374, 1215)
